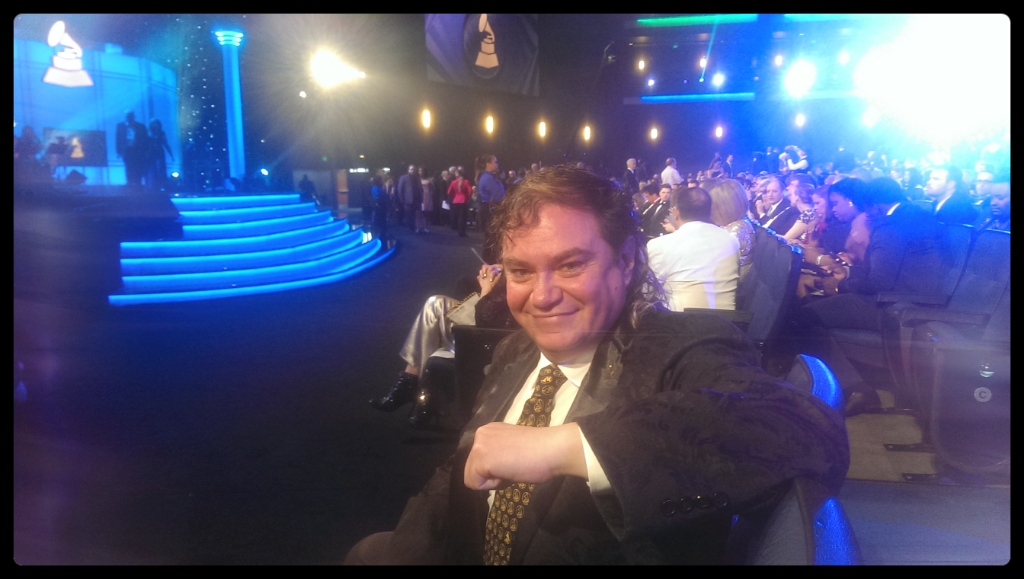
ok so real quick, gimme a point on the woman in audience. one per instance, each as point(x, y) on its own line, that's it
point(423, 216)
point(431, 334)
point(799, 194)
point(459, 192)
point(729, 211)
point(849, 199)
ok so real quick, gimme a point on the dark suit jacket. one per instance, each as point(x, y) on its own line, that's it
point(782, 218)
point(410, 189)
point(688, 429)
point(905, 254)
point(140, 146)
point(958, 210)
point(652, 218)
point(630, 182)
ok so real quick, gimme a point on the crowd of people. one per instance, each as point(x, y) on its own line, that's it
point(862, 230)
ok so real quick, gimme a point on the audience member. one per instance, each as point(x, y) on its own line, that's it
point(729, 211)
point(426, 206)
point(459, 192)
point(952, 202)
point(778, 214)
point(698, 264)
point(905, 255)
point(799, 196)
point(670, 176)
point(491, 192)
point(431, 335)
point(630, 182)
point(410, 193)
point(998, 215)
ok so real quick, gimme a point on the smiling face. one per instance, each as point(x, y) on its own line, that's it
point(565, 284)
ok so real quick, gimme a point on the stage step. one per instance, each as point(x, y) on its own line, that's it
point(242, 245)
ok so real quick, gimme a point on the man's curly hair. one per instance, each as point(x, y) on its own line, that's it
point(574, 188)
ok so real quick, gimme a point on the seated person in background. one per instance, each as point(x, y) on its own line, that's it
point(729, 211)
point(778, 215)
point(606, 418)
point(431, 335)
point(847, 198)
point(998, 214)
point(906, 255)
point(952, 202)
point(655, 212)
point(798, 193)
point(697, 264)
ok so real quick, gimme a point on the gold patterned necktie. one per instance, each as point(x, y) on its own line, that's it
point(512, 499)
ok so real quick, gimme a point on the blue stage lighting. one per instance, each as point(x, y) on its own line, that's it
point(246, 277)
point(253, 228)
point(226, 37)
point(691, 98)
point(166, 297)
point(800, 119)
point(246, 214)
point(718, 79)
point(264, 172)
point(212, 203)
point(139, 249)
point(235, 261)
point(800, 78)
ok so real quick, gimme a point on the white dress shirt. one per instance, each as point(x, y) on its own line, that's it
point(575, 371)
point(671, 177)
point(698, 265)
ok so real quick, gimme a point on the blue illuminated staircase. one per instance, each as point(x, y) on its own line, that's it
point(243, 245)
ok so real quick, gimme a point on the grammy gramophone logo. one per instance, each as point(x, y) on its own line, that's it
point(480, 46)
point(66, 64)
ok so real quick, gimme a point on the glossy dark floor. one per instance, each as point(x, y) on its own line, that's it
point(237, 431)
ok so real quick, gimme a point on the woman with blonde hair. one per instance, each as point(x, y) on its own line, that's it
point(729, 206)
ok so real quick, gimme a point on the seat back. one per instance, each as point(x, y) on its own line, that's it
point(957, 242)
point(985, 275)
point(812, 375)
point(474, 348)
point(769, 289)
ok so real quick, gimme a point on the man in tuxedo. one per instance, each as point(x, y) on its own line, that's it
point(658, 427)
point(133, 146)
point(655, 211)
point(951, 201)
point(778, 214)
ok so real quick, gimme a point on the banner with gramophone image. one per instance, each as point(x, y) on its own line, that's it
point(490, 51)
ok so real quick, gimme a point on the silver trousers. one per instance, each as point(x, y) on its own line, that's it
point(431, 331)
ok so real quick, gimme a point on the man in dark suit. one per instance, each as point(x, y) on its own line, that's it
point(630, 182)
point(658, 427)
point(951, 201)
point(133, 146)
point(778, 214)
point(655, 211)
point(410, 191)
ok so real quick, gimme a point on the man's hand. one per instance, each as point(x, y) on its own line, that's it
point(523, 454)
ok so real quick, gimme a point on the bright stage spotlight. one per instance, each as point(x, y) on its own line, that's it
point(844, 57)
point(870, 117)
point(641, 64)
point(264, 172)
point(329, 70)
point(718, 132)
point(718, 79)
point(654, 134)
point(586, 133)
point(650, 82)
point(800, 120)
point(800, 78)
point(703, 62)
point(542, 129)
point(302, 94)
point(916, 79)
point(489, 124)
point(778, 60)
point(425, 118)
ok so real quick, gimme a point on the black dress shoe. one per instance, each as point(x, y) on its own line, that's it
point(401, 394)
point(861, 401)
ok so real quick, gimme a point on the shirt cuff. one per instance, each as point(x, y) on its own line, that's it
point(596, 478)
